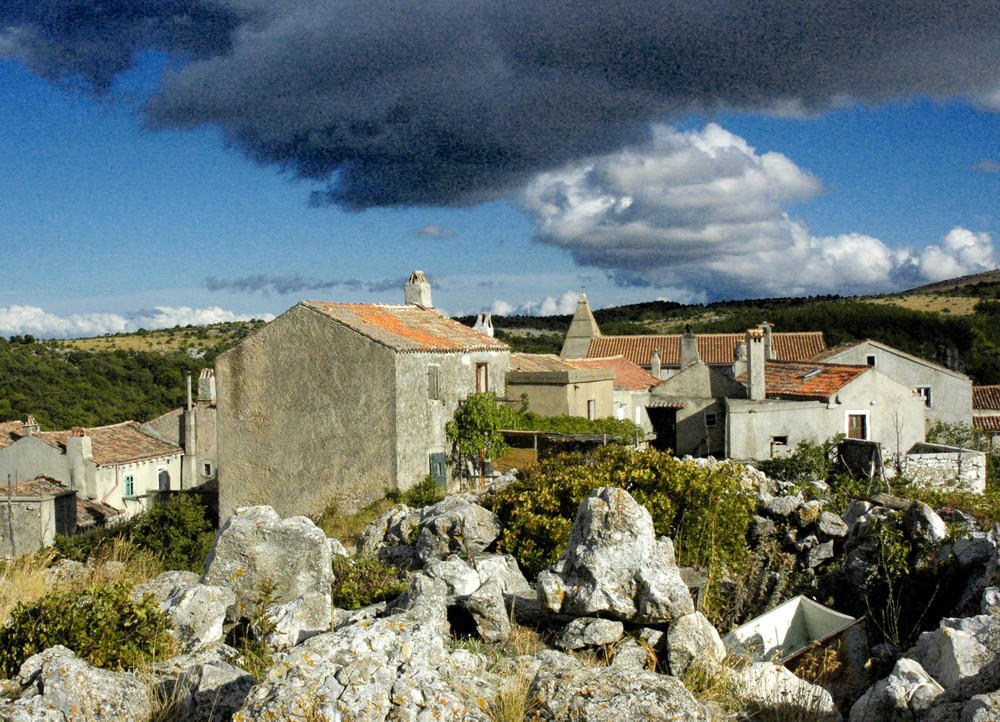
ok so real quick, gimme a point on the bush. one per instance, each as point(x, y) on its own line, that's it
point(809, 461)
point(103, 625)
point(364, 580)
point(705, 510)
point(425, 493)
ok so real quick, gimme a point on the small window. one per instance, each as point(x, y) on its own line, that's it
point(870, 360)
point(779, 441)
point(925, 393)
point(711, 418)
point(208, 468)
point(129, 485)
point(857, 426)
point(482, 378)
point(591, 409)
point(434, 382)
point(163, 479)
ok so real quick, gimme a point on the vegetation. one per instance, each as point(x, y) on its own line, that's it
point(809, 461)
point(360, 581)
point(178, 532)
point(474, 431)
point(705, 510)
point(103, 625)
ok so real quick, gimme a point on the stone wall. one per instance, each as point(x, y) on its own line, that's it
point(946, 466)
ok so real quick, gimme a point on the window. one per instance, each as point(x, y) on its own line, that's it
point(870, 359)
point(163, 479)
point(591, 409)
point(434, 382)
point(857, 426)
point(711, 418)
point(779, 441)
point(925, 392)
point(208, 468)
point(482, 378)
point(129, 485)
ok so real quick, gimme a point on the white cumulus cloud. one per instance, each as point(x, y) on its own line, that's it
point(549, 306)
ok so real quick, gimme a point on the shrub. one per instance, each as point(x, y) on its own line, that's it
point(705, 510)
point(364, 580)
point(809, 461)
point(425, 493)
point(103, 625)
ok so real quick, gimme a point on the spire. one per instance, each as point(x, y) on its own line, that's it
point(582, 328)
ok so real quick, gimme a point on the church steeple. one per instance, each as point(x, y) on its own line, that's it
point(582, 328)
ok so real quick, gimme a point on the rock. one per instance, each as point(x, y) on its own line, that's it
point(856, 508)
point(772, 692)
point(396, 527)
point(632, 655)
point(612, 694)
point(819, 554)
point(761, 528)
point(460, 578)
point(488, 612)
point(949, 655)
point(923, 524)
point(401, 557)
point(425, 601)
point(614, 566)
point(905, 693)
point(456, 525)
point(56, 679)
point(504, 569)
point(784, 507)
point(165, 585)
point(208, 691)
point(831, 526)
point(198, 613)
point(296, 621)
point(805, 544)
point(982, 708)
point(808, 514)
point(255, 551)
point(589, 632)
point(991, 599)
point(528, 665)
point(345, 617)
point(692, 638)
point(336, 548)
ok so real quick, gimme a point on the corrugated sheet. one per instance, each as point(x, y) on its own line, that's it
point(407, 327)
point(791, 379)
point(986, 397)
point(713, 348)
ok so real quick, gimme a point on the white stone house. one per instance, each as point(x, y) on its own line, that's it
point(117, 465)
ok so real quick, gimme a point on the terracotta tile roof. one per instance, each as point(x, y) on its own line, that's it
point(986, 423)
point(542, 362)
point(986, 397)
point(93, 513)
point(36, 488)
point(407, 327)
point(713, 348)
point(795, 380)
point(116, 444)
point(10, 431)
point(628, 375)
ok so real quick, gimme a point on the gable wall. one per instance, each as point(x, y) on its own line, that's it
point(28, 458)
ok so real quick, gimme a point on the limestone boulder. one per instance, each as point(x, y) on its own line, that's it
point(692, 639)
point(487, 611)
point(614, 566)
point(165, 585)
point(632, 655)
point(456, 573)
point(395, 527)
point(204, 687)
point(784, 507)
point(949, 655)
point(831, 526)
point(905, 694)
point(922, 524)
point(198, 613)
point(612, 694)
point(504, 569)
point(585, 632)
point(262, 557)
point(294, 622)
point(456, 525)
point(58, 681)
point(770, 691)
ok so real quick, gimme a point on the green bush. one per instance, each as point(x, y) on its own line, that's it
point(809, 461)
point(705, 510)
point(425, 493)
point(103, 625)
point(360, 581)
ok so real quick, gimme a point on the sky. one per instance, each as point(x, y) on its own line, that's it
point(169, 162)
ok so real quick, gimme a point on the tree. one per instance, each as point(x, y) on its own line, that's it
point(474, 430)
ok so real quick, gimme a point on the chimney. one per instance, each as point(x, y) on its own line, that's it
point(417, 290)
point(30, 427)
point(484, 324)
point(740, 359)
point(654, 363)
point(755, 364)
point(189, 392)
point(79, 450)
point(769, 352)
point(206, 386)
point(689, 347)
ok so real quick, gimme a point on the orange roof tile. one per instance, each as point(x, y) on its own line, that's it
point(407, 328)
point(713, 348)
point(986, 397)
point(628, 375)
point(10, 431)
point(117, 443)
point(795, 380)
point(986, 423)
point(37, 488)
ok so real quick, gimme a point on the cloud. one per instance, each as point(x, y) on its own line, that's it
point(986, 166)
point(19, 320)
point(441, 232)
point(284, 285)
point(454, 102)
point(702, 210)
point(549, 306)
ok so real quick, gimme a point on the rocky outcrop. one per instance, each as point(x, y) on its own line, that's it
point(585, 632)
point(294, 622)
point(615, 566)
point(906, 693)
point(197, 613)
point(456, 525)
point(692, 639)
point(772, 692)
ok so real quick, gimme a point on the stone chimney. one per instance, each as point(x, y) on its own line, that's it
point(689, 347)
point(484, 324)
point(755, 364)
point(79, 450)
point(769, 353)
point(30, 427)
point(740, 359)
point(654, 363)
point(206, 386)
point(417, 290)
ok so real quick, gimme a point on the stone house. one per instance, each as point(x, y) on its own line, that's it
point(947, 394)
point(193, 427)
point(340, 402)
point(633, 385)
point(118, 465)
point(32, 513)
point(561, 387)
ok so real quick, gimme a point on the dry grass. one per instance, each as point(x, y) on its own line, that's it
point(958, 305)
point(513, 702)
point(23, 580)
point(347, 528)
point(523, 640)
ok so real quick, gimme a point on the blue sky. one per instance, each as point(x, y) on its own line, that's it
point(231, 170)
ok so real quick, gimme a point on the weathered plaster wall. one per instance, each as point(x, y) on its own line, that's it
point(951, 392)
point(701, 389)
point(567, 399)
point(34, 522)
point(171, 426)
point(145, 477)
point(420, 420)
point(631, 405)
point(28, 458)
point(306, 417)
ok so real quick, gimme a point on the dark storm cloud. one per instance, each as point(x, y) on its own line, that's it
point(284, 285)
point(456, 102)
